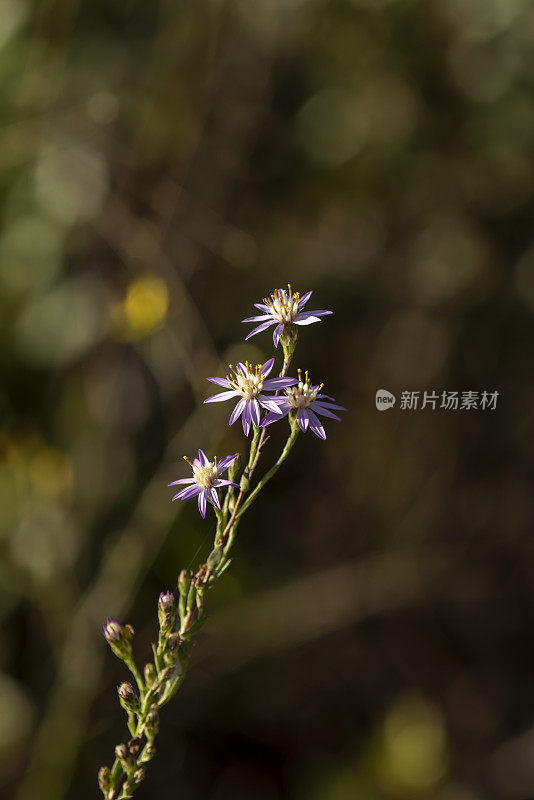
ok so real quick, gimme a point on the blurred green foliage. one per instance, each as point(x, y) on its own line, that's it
point(163, 166)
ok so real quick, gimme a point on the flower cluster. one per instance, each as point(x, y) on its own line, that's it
point(255, 391)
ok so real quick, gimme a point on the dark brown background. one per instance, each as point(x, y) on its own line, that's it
point(164, 165)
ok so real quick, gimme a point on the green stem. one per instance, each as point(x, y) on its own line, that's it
point(130, 663)
point(274, 469)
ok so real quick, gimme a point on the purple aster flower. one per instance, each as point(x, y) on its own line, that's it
point(205, 480)
point(248, 384)
point(307, 402)
point(283, 309)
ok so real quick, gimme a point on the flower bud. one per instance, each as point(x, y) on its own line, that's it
point(183, 582)
point(123, 754)
point(119, 637)
point(166, 611)
point(152, 724)
point(104, 779)
point(139, 775)
point(171, 648)
point(150, 674)
point(128, 697)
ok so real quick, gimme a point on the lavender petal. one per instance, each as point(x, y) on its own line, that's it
point(255, 412)
point(330, 405)
point(220, 382)
point(181, 480)
point(267, 367)
point(260, 328)
point(304, 299)
point(279, 383)
point(245, 419)
point(259, 318)
point(303, 419)
point(214, 497)
point(237, 411)
point(316, 426)
point(242, 368)
point(221, 397)
point(324, 411)
point(262, 307)
point(218, 482)
point(187, 494)
point(305, 319)
point(270, 404)
point(202, 457)
point(225, 462)
point(320, 313)
point(270, 418)
point(277, 334)
point(202, 503)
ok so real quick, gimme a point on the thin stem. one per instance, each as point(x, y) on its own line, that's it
point(130, 663)
point(274, 469)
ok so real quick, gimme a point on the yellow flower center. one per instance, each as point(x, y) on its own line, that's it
point(249, 385)
point(303, 394)
point(283, 305)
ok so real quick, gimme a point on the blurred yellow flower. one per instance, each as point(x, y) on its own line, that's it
point(143, 309)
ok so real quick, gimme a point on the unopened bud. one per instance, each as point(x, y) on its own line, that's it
point(104, 779)
point(171, 648)
point(128, 697)
point(139, 775)
point(134, 746)
point(166, 611)
point(152, 724)
point(183, 582)
point(119, 637)
point(123, 754)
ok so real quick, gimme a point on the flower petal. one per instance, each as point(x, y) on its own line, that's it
point(279, 383)
point(303, 419)
point(320, 313)
point(220, 382)
point(225, 462)
point(267, 367)
point(259, 318)
point(242, 368)
point(260, 328)
point(304, 299)
point(181, 480)
point(277, 333)
point(237, 411)
point(214, 497)
point(324, 411)
point(245, 419)
point(330, 405)
point(221, 397)
point(270, 417)
point(186, 494)
point(270, 403)
point(305, 319)
point(202, 457)
point(218, 482)
point(202, 503)
point(316, 426)
point(255, 412)
point(262, 307)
